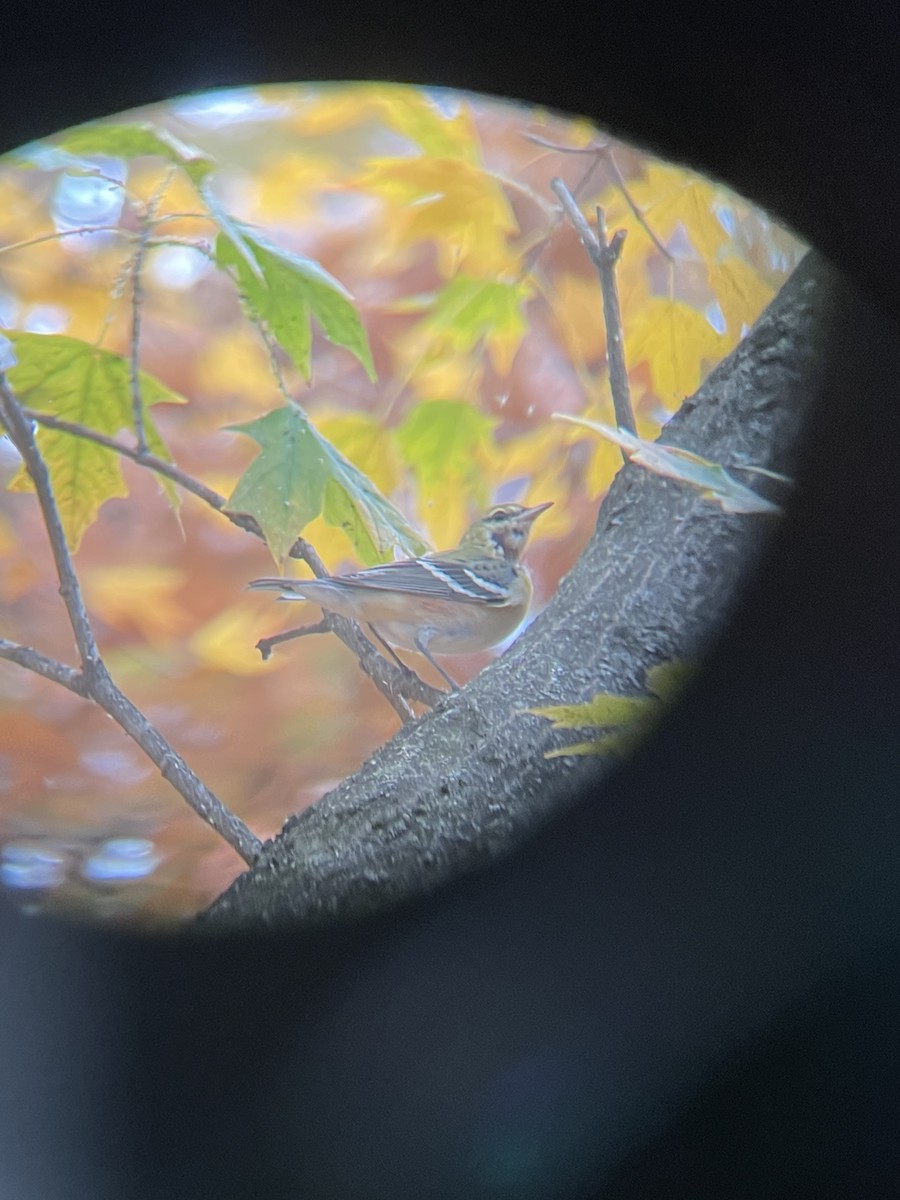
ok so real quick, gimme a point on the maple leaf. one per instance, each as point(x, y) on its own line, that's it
point(286, 291)
point(457, 205)
point(676, 341)
point(78, 382)
point(447, 445)
point(299, 475)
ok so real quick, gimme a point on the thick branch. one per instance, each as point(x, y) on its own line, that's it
point(463, 784)
point(94, 681)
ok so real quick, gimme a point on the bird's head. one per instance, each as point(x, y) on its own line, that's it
point(504, 531)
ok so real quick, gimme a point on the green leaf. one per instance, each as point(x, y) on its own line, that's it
point(117, 141)
point(628, 717)
point(283, 487)
point(601, 711)
point(299, 474)
point(234, 235)
point(439, 441)
point(468, 310)
point(77, 382)
point(288, 291)
point(711, 479)
point(667, 679)
point(372, 523)
point(610, 743)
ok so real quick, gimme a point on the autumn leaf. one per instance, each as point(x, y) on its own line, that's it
point(367, 444)
point(78, 382)
point(447, 444)
point(289, 291)
point(408, 111)
point(137, 596)
point(676, 341)
point(416, 116)
point(469, 310)
point(739, 290)
point(669, 197)
point(117, 141)
point(228, 641)
point(709, 478)
point(298, 475)
point(625, 718)
point(459, 207)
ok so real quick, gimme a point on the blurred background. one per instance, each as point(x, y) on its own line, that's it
point(433, 210)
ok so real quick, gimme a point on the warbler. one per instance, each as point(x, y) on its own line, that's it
point(447, 602)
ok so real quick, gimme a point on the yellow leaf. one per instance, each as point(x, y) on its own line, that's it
point(540, 456)
point(367, 444)
point(227, 643)
point(464, 316)
point(448, 446)
point(446, 378)
point(332, 545)
point(145, 178)
point(236, 365)
point(79, 382)
point(418, 118)
point(580, 315)
point(137, 597)
point(741, 294)
point(670, 196)
point(290, 185)
point(334, 108)
point(456, 205)
point(677, 342)
point(604, 464)
point(407, 110)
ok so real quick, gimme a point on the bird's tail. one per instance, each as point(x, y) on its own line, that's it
point(291, 589)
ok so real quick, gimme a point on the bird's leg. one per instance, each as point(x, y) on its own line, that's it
point(422, 647)
point(390, 649)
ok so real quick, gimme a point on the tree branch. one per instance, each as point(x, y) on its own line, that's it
point(464, 784)
point(393, 684)
point(605, 154)
point(94, 681)
point(40, 664)
point(604, 255)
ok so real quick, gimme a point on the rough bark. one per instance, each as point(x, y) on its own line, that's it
point(466, 782)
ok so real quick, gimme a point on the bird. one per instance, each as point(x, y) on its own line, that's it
point(449, 602)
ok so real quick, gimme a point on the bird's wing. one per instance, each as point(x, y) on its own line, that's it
point(439, 578)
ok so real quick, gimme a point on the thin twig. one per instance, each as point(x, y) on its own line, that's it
point(40, 664)
point(549, 144)
point(20, 433)
point(265, 645)
point(94, 681)
point(137, 400)
point(604, 152)
point(59, 234)
point(638, 213)
point(604, 255)
point(532, 254)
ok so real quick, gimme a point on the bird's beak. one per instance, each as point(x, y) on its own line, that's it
point(531, 513)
